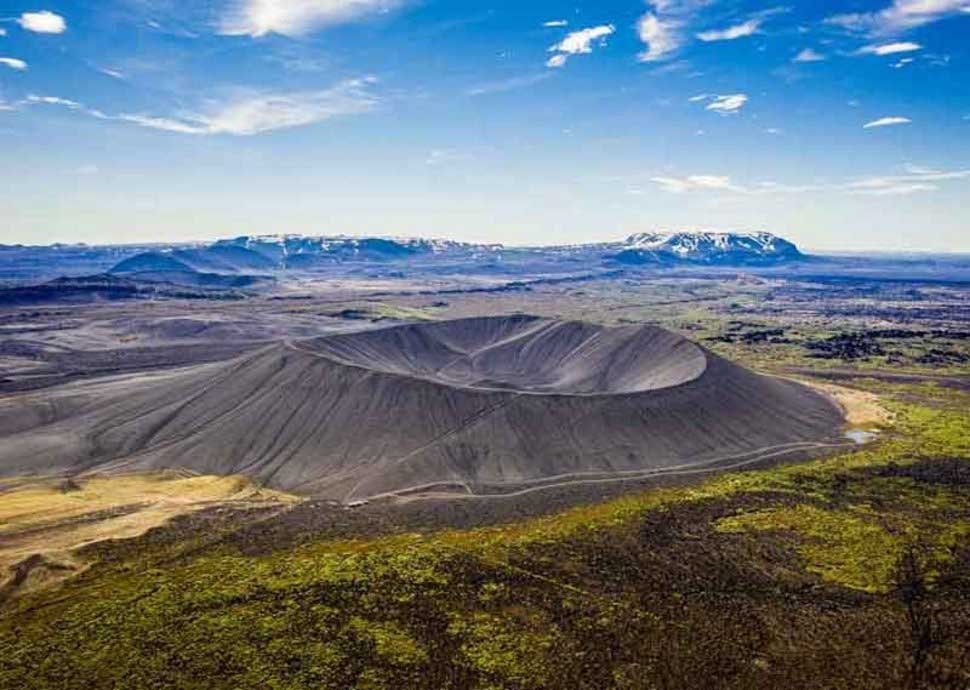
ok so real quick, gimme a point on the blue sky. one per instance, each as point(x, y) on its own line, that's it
point(841, 125)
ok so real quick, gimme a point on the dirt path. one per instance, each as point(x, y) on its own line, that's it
point(413, 493)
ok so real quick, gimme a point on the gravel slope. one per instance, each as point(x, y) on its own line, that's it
point(473, 405)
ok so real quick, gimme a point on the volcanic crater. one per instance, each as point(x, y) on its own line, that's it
point(478, 406)
point(524, 354)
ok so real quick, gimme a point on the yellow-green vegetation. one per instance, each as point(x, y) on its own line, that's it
point(404, 313)
point(856, 547)
point(55, 517)
point(783, 577)
point(45, 502)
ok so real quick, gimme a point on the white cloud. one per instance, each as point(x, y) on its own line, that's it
point(916, 179)
point(897, 189)
point(267, 112)
point(808, 55)
point(887, 122)
point(890, 48)
point(13, 63)
point(912, 180)
point(662, 37)
point(771, 187)
point(508, 84)
point(725, 104)
point(917, 172)
point(723, 183)
point(297, 17)
point(556, 23)
point(664, 27)
point(249, 115)
point(446, 156)
point(901, 15)
point(52, 100)
point(3, 32)
point(113, 73)
point(680, 185)
point(728, 104)
point(748, 28)
point(43, 22)
point(578, 43)
point(190, 124)
point(889, 186)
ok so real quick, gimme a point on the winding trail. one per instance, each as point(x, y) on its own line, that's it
point(709, 467)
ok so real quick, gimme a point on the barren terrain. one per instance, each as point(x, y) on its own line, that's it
point(769, 565)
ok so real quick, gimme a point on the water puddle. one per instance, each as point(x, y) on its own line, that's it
point(861, 436)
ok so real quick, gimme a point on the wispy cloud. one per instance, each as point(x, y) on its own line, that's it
point(889, 48)
point(901, 16)
point(555, 23)
point(33, 99)
point(878, 187)
point(43, 22)
point(246, 116)
point(578, 43)
point(662, 37)
point(438, 157)
point(13, 63)
point(724, 104)
point(724, 184)
point(665, 27)
point(748, 28)
point(913, 180)
point(887, 122)
point(267, 112)
point(808, 55)
point(297, 17)
point(681, 185)
point(510, 84)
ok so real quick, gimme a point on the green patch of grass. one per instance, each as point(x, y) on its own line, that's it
point(856, 547)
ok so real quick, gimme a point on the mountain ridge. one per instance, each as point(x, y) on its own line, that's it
point(306, 252)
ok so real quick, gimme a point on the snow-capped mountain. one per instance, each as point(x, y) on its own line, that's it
point(706, 248)
point(267, 254)
point(299, 249)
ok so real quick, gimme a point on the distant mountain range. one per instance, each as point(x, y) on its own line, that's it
point(234, 268)
point(707, 248)
point(267, 254)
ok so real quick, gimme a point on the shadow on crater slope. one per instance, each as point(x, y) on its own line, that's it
point(477, 406)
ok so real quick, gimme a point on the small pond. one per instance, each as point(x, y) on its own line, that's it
point(861, 436)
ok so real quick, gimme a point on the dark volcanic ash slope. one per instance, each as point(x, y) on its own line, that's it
point(487, 404)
